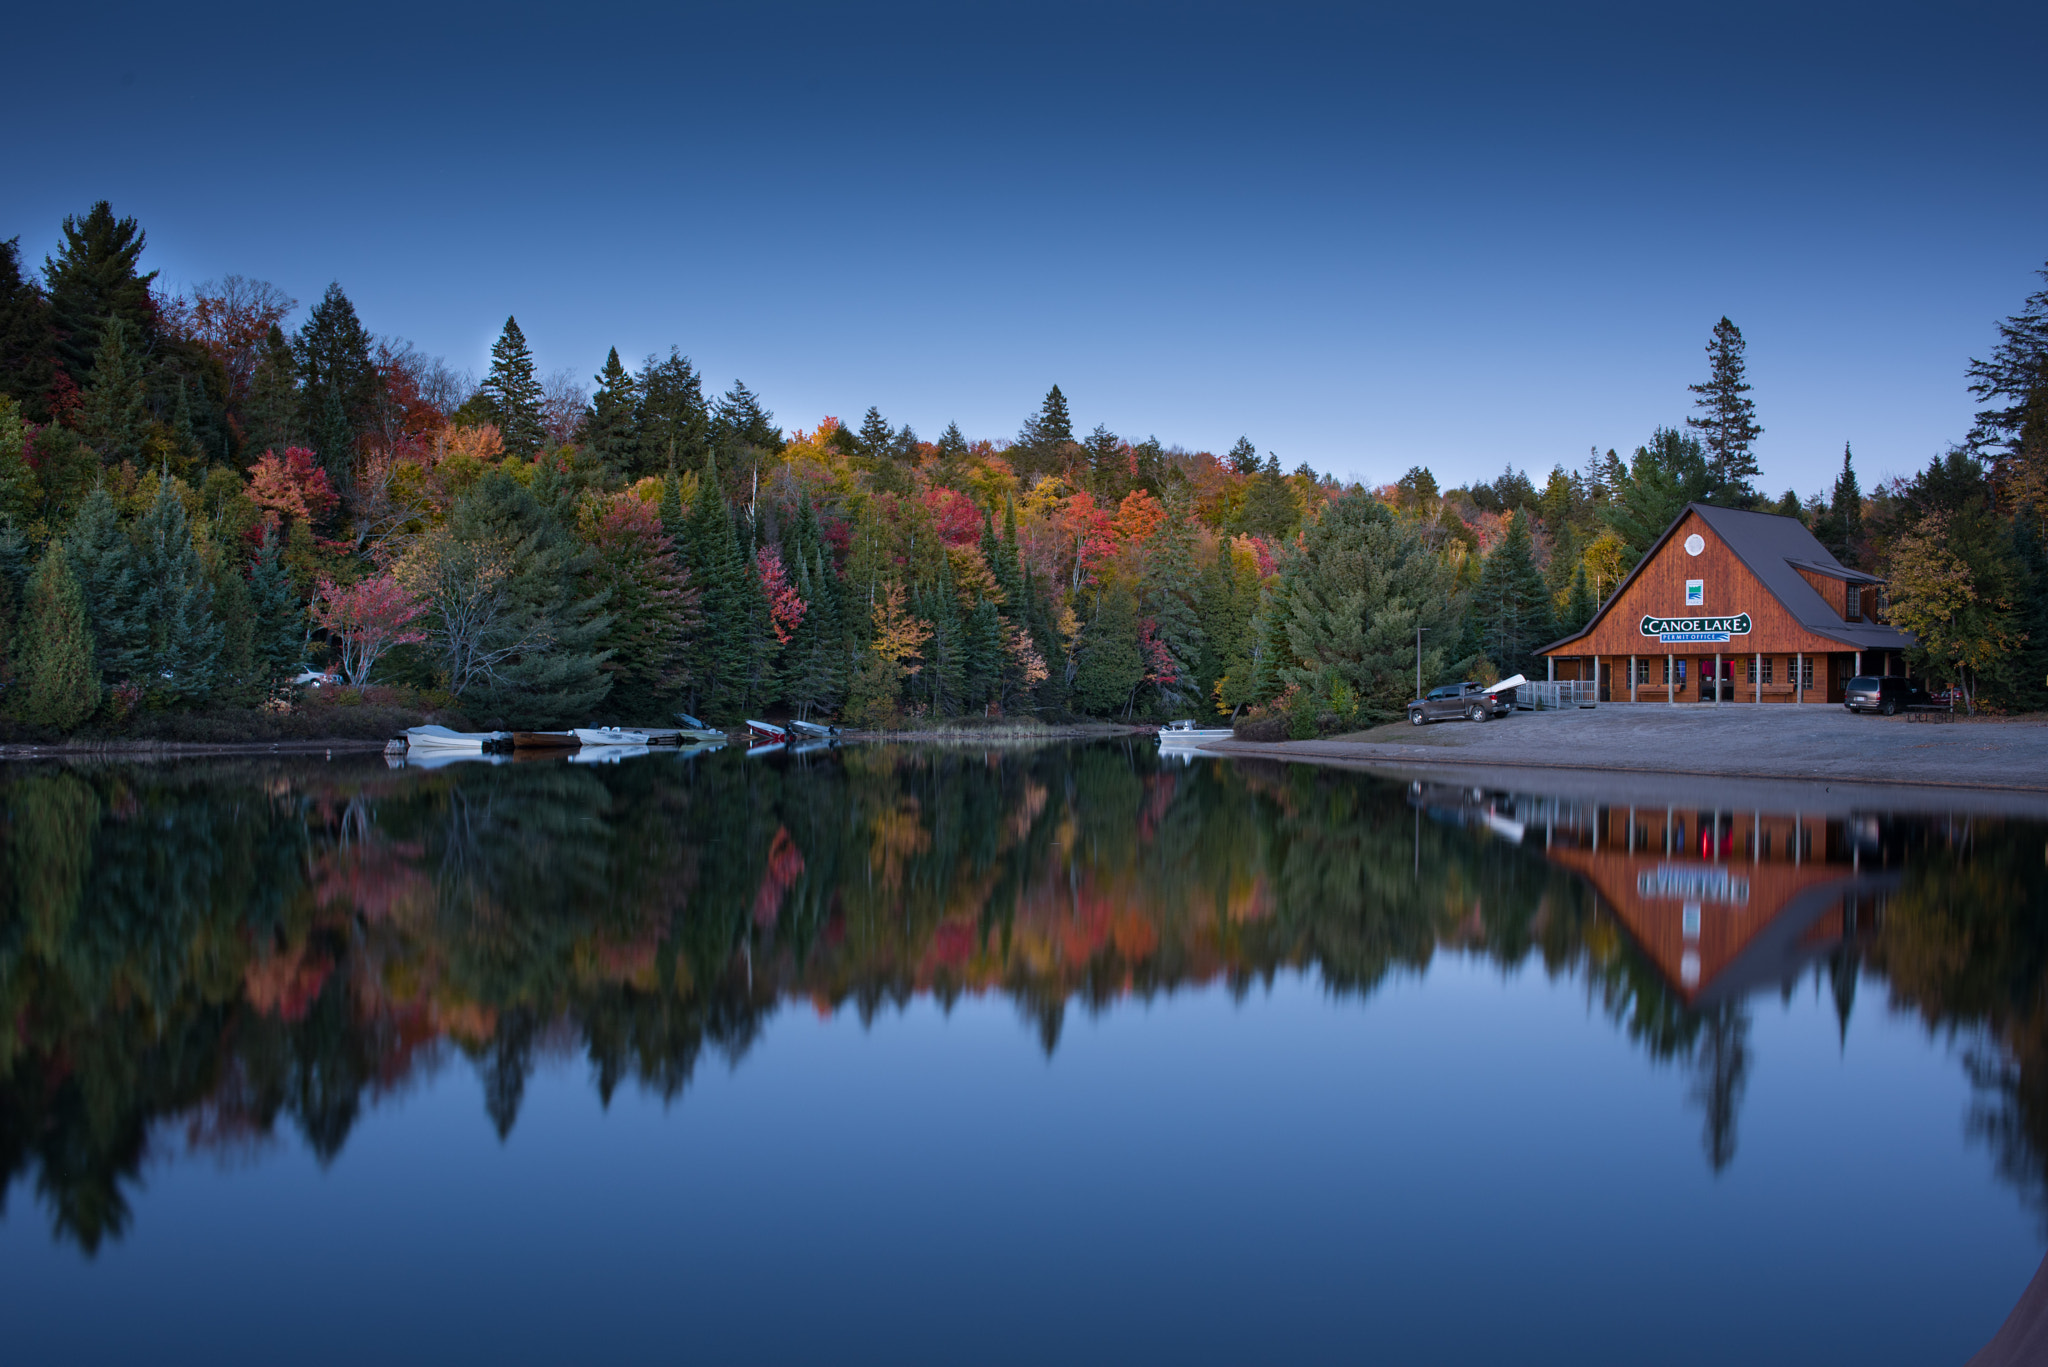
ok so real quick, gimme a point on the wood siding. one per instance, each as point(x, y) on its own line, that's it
point(1659, 591)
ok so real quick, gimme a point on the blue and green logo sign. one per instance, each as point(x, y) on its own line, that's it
point(1685, 630)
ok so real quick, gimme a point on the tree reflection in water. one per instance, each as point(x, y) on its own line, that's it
point(190, 956)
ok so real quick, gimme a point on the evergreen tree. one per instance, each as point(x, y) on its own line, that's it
point(674, 425)
point(1579, 606)
point(1008, 563)
point(982, 655)
point(718, 655)
point(673, 522)
point(1269, 506)
point(653, 611)
point(1112, 664)
point(944, 677)
point(278, 630)
point(1510, 614)
point(1841, 529)
point(814, 677)
point(27, 346)
point(1170, 590)
point(876, 440)
point(1244, 457)
point(21, 493)
point(514, 394)
point(103, 559)
point(338, 383)
point(2028, 671)
point(546, 663)
point(1109, 464)
point(60, 687)
point(1148, 464)
point(115, 417)
point(1361, 583)
point(271, 414)
point(952, 444)
point(739, 422)
point(1043, 444)
point(181, 634)
point(1726, 419)
point(610, 427)
point(1665, 475)
point(93, 280)
point(759, 676)
point(240, 675)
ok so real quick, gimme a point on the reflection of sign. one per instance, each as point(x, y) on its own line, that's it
point(1695, 593)
point(1693, 883)
point(1696, 628)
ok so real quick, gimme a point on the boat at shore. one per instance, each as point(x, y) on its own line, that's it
point(815, 730)
point(544, 740)
point(694, 730)
point(611, 735)
point(767, 731)
point(1179, 734)
point(441, 738)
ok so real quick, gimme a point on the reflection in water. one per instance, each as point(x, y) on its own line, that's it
point(197, 956)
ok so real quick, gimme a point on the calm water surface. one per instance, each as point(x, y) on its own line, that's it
point(1061, 1055)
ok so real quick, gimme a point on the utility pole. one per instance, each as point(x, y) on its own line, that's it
point(1418, 660)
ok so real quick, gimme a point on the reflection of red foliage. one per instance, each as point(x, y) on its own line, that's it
point(785, 864)
point(286, 985)
point(952, 943)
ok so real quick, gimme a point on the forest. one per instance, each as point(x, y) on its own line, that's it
point(197, 503)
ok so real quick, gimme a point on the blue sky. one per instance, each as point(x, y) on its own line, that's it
point(1368, 238)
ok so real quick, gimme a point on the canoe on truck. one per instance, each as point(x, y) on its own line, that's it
point(544, 740)
point(441, 738)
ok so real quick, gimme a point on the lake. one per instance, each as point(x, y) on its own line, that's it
point(918, 1054)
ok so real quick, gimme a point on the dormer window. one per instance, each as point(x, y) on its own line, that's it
point(1855, 609)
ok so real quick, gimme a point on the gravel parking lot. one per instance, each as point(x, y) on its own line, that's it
point(1812, 742)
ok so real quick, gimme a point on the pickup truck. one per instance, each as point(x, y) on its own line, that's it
point(1468, 700)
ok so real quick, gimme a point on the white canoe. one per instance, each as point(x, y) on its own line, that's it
point(441, 738)
point(611, 735)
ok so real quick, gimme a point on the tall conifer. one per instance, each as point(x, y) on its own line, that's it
point(115, 417)
point(338, 382)
point(182, 636)
point(27, 345)
point(1510, 614)
point(514, 393)
point(610, 429)
point(104, 561)
point(674, 426)
point(60, 687)
point(1726, 418)
point(92, 280)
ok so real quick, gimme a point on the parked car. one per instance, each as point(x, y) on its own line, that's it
point(305, 676)
point(1887, 696)
point(1468, 700)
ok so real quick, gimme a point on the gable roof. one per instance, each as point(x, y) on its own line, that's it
point(1774, 548)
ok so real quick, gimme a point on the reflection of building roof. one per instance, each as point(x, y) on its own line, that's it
point(1757, 922)
point(1774, 549)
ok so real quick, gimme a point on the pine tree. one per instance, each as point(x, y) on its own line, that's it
point(944, 678)
point(1009, 563)
point(1170, 590)
point(1664, 476)
point(514, 393)
point(60, 686)
point(1841, 530)
point(1109, 464)
point(1111, 663)
point(271, 414)
point(981, 655)
point(240, 675)
point(1510, 614)
point(103, 559)
point(93, 280)
point(1578, 604)
point(674, 524)
point(718, 654)
point(1046, 435)
point(339, 385)
point(181, 635)
point(278, 632)
point(27, 346)
point(610, 428)
point(1244, 457)
point(1269, 505)
point(875, 438)
point(739, 422)
point(115, 418)
point(674, 424)
point(1726, 420)
point(1360, 584)
point(761, 648)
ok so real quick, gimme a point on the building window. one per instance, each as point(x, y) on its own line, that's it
point(1855, 613)
point(1884, 604)
point(1751, 667)
point(1806, 672)
point(1768, 662)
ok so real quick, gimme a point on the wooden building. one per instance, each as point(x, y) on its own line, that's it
point(1749, 599)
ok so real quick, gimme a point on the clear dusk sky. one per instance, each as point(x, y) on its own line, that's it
point(1367, 236)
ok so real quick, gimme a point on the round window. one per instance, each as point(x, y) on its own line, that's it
point(1695, 543)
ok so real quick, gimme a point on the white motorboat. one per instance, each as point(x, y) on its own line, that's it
point(1180, 734)
point(441, 738)
point(611, 735)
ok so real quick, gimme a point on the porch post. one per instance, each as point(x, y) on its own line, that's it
point(1631, 678)
point(1758, 678)
point(1551, 662)
point(1799, 678)
point(1859, 662)
point(1670, 684)
point(1717, 678)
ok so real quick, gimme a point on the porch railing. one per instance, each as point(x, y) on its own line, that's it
point(1557, 694)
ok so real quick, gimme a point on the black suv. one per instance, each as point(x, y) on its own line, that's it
point(1886, 696)
point(1468, 700)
